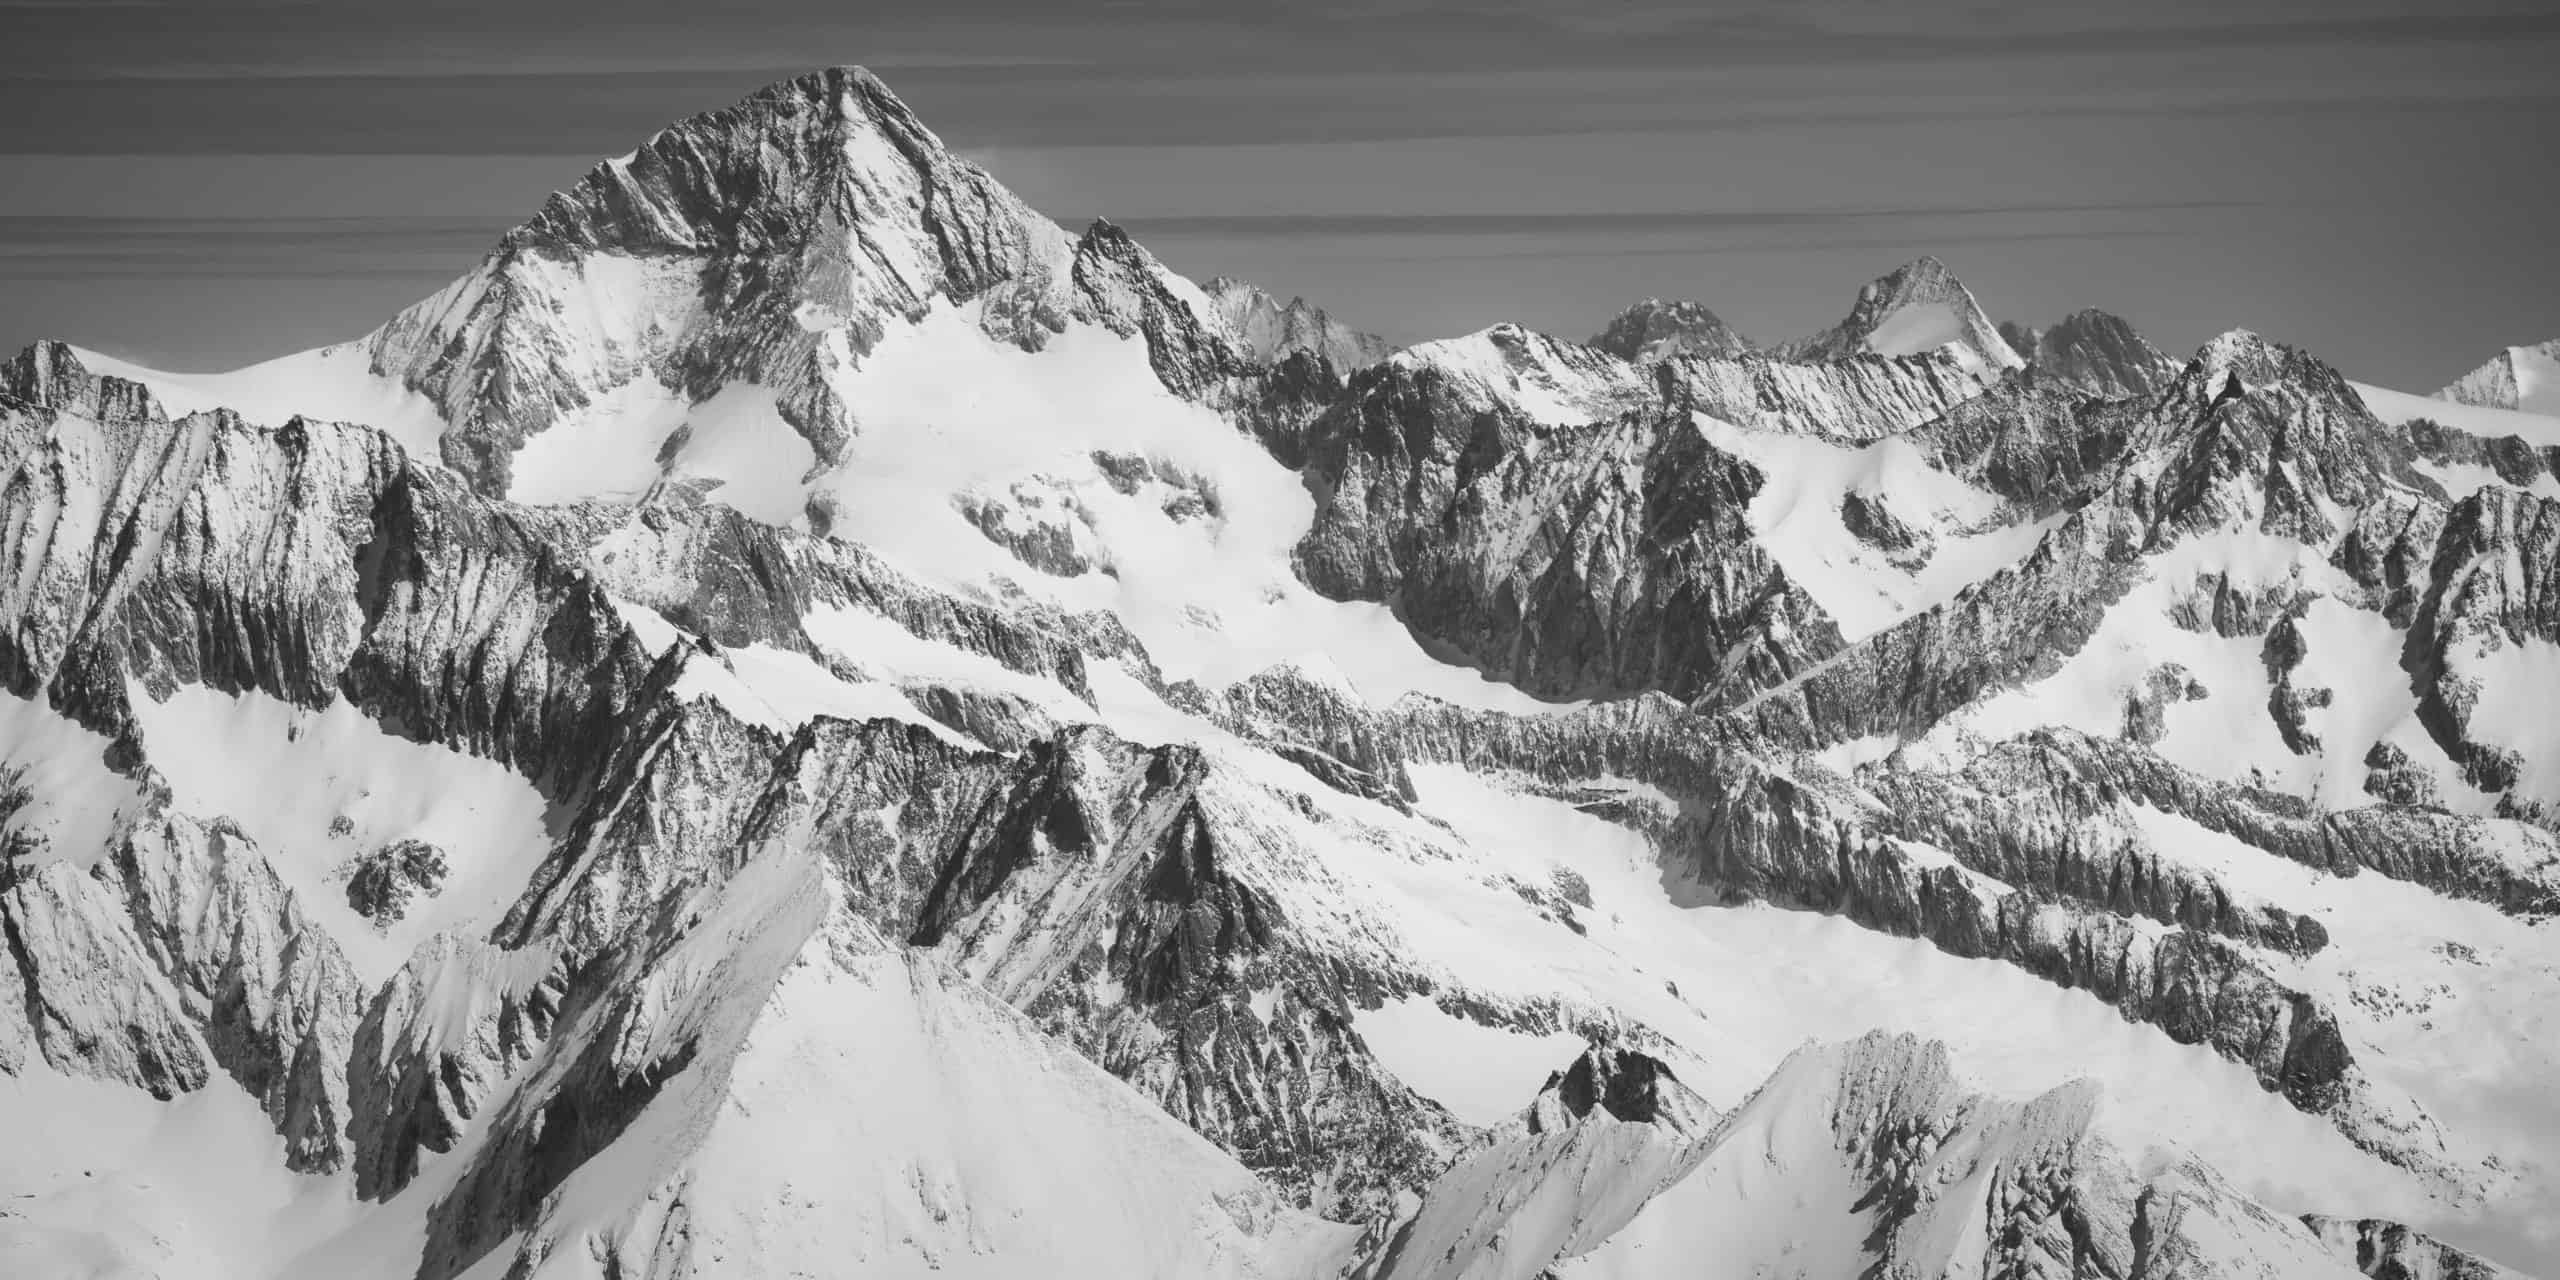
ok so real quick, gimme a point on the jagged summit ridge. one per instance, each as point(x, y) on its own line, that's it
point(1921, 306)
point(2170, 740)
point(2094, 350)
point(758, 176)
point(1867, 1157)
point(1654, 329)
point(1268, 330)
point(765, 251)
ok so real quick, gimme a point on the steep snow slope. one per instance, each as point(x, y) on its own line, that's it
point(1802, 516)
point(1481, 1074)
point(2457, 998)
point(334, 383)
point(1811, 977)
point(101, 1180)
point(1872, 1153)
point(354, 791)
point(1034, 441)
point(2539, 426)
point(898, 711)
point(2213, 689)
point(950, 1091)
point(57, 797)
point(1920, 307)
point(1865, 1157)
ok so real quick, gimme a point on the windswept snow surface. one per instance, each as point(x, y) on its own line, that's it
point(2460, 1001)
point(1920, 327)
point(1483, 1075)
point(889, 1118)
point(1792, 1212)
point(2524, 725)
point(877, 644)
point(2352, 653)
point(1508, 1211)
point(1553, 383)
point(735, 445)
point(2541, 427)
point(288, 776)
point(2537, 379)
point(330, 384)
point(1797, 515)
point(2462, 479)
point(98, 1180)
point(72, 800)
point(947, 412)
point(781, 690)
point(1737, 989)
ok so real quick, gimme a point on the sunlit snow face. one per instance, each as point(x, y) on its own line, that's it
point(356, 789)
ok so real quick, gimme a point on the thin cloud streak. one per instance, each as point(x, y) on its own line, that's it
point(2306, 163)
point(599, 114)
point(1289, 226)
point(1914, 244)
point(297, 40)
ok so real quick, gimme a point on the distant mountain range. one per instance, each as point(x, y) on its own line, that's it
point(803, 719)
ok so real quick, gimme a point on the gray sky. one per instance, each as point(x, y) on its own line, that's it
point(207, 183)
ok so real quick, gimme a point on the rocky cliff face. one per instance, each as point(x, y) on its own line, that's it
point(822, 197)
point(646, 852)
point(776, 244)
point(2095, 351)
point(2390, 1251)
point(1562, 520)
point(1654, 329)
point(1269, 331)
point(1597, 559)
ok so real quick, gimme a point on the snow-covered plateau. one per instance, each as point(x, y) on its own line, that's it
point(803, 719)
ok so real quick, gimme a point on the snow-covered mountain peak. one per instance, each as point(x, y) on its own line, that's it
point(885, 673)
point(1624, 1084)
point(2096, 351)
point(1653, 329)
point(1919, 306)
point(769, 245)
point(1511, 365)
point(46, 372)
point(2521, 378)
point(2239, 362)
point(762, 175)
point(1267, 330)
point(1926, 276)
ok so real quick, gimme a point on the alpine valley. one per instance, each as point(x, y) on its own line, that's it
point(801, 719)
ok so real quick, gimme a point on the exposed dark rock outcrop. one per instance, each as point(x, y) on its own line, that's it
point(2390, 1251)
point(382, 884)
point(2096, 352)
point(1653, 329)
point(1625, 1084)
point(1170, 966)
